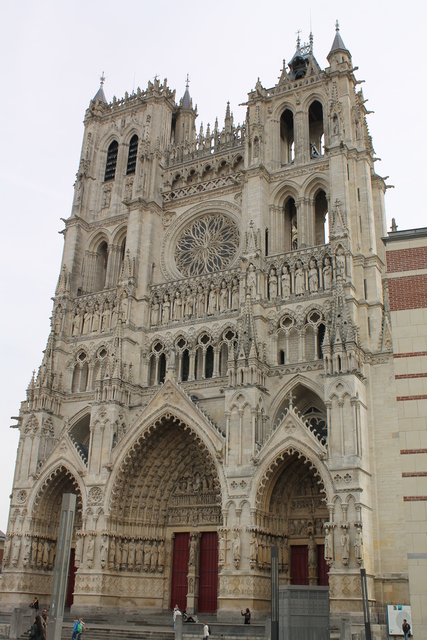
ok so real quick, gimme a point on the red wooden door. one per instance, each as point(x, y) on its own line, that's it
point(208, 573)
point(323, 567)
point(71, 580)
point(299, 564)
point(181, 556)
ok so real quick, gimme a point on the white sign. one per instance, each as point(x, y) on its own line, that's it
point(396, 614)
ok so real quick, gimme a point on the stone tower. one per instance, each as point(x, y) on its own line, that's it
point(217, 379)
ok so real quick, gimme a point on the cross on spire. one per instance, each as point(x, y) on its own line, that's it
point(187, 82)
point(102, 79)
point(298, 38)
point(337, 26)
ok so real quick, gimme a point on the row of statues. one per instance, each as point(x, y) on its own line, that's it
point(121, 553)
point(195, 303)
point(345, 542)
point(201, 301)
point(97, 318)
point(35, 552)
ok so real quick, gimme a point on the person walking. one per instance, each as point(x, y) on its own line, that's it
point(206, 633)
point(247, 616)
point(80, 629)
point(75, 628)
point(45, 622)
point(35, 605)
point(406, 628)
point(36, 631)
point(176, 613)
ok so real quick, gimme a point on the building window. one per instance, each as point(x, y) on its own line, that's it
point(287, 137)
point(133, 150)
point(110, 167)
point(315, 126)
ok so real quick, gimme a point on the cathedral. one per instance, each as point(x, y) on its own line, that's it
point(218, 378)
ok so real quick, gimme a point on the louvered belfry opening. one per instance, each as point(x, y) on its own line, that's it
point(110, 167)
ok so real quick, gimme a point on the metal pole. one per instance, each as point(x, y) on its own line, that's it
point(274, 593)
point(62, 563)
point(366, 614)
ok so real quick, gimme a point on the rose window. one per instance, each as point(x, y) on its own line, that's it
point(208, 244)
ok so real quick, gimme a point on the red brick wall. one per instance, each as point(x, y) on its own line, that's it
point(407, 259)
point(408, 292)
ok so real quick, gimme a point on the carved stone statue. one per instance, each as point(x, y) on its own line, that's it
point(340, 262)
point(200, 301)
point(193, 551)
point(153, 560)
point(39, 554)
point(131, 554)
point(166, 309)
point(189, 304)
point(124, 554)
point(33, 560)
point(90, 552)
point(161, 556)
point(286, 282)
point(299, 279)
point(52, 554)
point(177, 306)
point(78, 550)
point(312, 552)
point(147, 555)
point(104, 550)
point(272, 284)
point(112, 553)
point(118, 555)
point(86, 322)
point(154, 317)
point(236, 549)
point(251, 281)
point(77, 323)
point(223, 297)
point(313, 277)
point(235, 295)
point(45, 554)
point(138, 556)
point(16, 550)
point(329, 543)
point(222, 545)
point(105, 319)
point(212, 301)
point(285, 553)
point(27, 551)
point(95, 319)
point(253, 548)
point(327, 274)
point(345, 544)
point(358, 544)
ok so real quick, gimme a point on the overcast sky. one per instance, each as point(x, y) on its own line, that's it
point(52, 54)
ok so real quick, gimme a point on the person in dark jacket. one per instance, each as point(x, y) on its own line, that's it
point(35, 605)
point(406, 628)
point(36, 632)
point(247, 616)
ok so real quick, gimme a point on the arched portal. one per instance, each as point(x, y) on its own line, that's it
point(40, 553)
point(164, 513)
point(291, 512)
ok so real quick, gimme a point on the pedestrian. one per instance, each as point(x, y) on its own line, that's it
point(45, 622)
point(176, 613)
point(80, 629)
point(75, 627)
point(406, 628)
point(247, 616)
point(206, 632)
point(36, 631)
point(35, 605)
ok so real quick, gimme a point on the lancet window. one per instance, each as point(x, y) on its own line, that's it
point(101, 261)
point(110, 167)
point(157, 364)
point(80, 373)
point(287, 154)
point(133, 151)
point(321, 233)
point(290, 224)
point(316, 130)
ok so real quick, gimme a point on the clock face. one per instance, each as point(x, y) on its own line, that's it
point(209, 243)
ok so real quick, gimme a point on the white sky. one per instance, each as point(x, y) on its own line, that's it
point(52, 54)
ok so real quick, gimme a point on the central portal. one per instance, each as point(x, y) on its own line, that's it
point(195, 574)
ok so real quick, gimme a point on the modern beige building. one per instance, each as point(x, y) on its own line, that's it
point(407, 292)
point(219, 376)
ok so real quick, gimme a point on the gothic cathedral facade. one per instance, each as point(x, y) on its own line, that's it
point(218, 376)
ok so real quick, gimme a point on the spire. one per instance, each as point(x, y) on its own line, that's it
point(338, 41)
point(186, 100)
point(100, 94)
